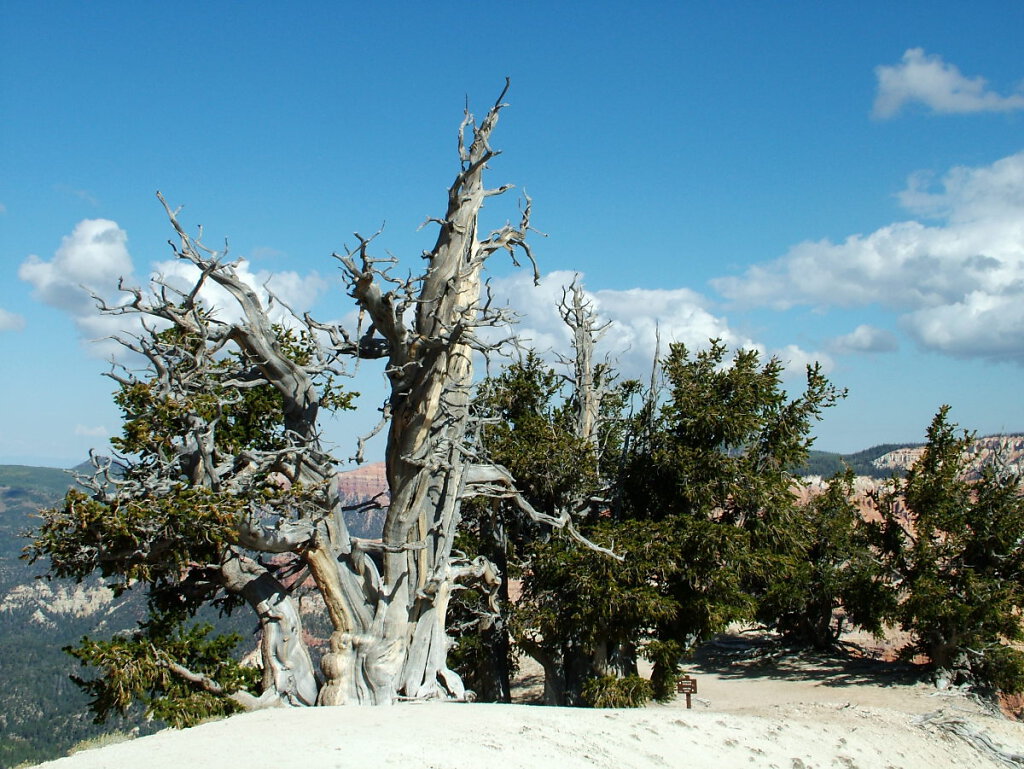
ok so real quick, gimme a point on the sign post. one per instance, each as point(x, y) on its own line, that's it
point(688, 686)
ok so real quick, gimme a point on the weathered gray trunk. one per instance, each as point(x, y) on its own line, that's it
point(390, 638)
point(588, 392)
point(287, 667)
point(387, 601)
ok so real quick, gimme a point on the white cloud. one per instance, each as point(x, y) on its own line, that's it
point(950, 281)
point(299, 292)
point(865, 338)
point(965, 195)
point(89, 261)
point(10, 321)
point(928, 80)
point(796, 360)
point(981, 325)
point(3, 209)
point(93, 258)
point(638, 317)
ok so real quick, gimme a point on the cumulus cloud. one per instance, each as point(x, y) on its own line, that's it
point(279, 290)
point(94, 257)
point(10, 321)
point(865, 338)
point(965, 194)
point(797, 360)
point(89, 261)
point(640, 319)
point(928, 80)
point(981, 325)
point(957, 283)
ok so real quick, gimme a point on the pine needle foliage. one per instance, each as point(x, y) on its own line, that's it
point(689, 485)
point(138, 668)
point(826, 574)
point(953, 546)
point(167, 523)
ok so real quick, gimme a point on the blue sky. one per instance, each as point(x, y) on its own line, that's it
point(822, 181)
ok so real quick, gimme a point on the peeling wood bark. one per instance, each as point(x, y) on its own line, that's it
point(287, 668)
point(430, 368)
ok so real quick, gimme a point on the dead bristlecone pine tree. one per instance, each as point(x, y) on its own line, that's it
point(261, 507)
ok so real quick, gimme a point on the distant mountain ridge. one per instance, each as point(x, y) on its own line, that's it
point(888, 459)
point(42, 713)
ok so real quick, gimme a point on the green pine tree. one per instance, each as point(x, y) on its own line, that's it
point(953, 545)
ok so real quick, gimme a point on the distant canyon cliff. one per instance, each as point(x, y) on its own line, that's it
point(1002, 450)
point(358, 486)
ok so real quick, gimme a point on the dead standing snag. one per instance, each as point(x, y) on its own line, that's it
point(398, 646)
point(267, 487)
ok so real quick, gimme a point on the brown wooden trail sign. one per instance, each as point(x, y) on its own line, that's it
point(688, 686)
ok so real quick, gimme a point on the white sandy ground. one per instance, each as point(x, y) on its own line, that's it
point(799, 717)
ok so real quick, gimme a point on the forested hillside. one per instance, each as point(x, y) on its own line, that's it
point(827, 463)
point(42, 713)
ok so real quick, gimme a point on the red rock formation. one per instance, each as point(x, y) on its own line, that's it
point(363, 482)
point(361, 485)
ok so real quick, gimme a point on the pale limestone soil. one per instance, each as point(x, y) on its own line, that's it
point(769, 710)
point(862, 709)
point(437, 735)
